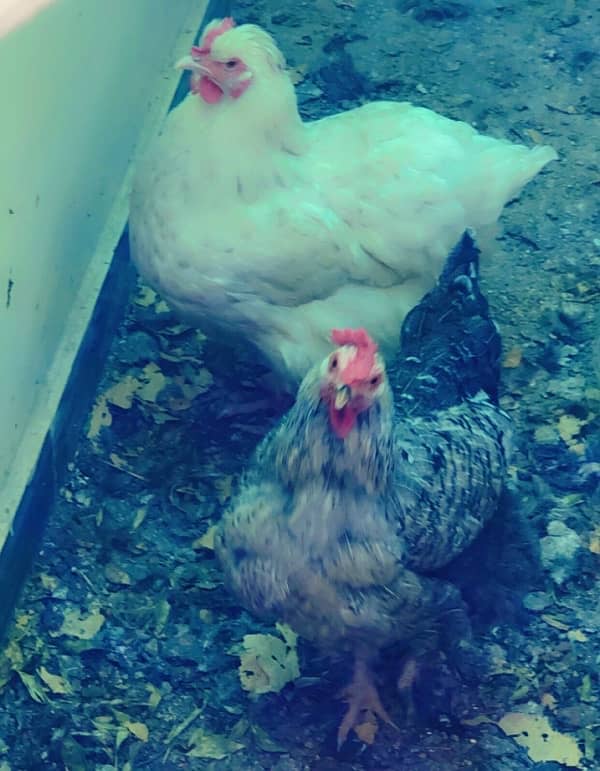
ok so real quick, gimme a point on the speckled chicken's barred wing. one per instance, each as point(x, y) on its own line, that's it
point(449, 476)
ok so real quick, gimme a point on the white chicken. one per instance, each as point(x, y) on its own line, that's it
point(258, 226)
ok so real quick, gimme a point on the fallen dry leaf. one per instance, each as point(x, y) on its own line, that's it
point(297, 74)
point(34, 689)
point(576, 635)
point(569, 427)
point(121, 394)
point(542, 742)
point(84, 627)
point(594, 545)
point(115, 575)
point(161, 307)
point(548, 700)
point(267, 662)
point(139, 730)
point(55, 683)
point(206, 541)
point(367, 730)
point(214, 746)
point(153, 381)
point(554, 622)
point(536, 136)
point(513, 358)
point(100, 417)
point(155, 695)
point(145, 296)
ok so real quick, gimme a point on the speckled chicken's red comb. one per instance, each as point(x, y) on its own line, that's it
point(210, 37)
point(359, 368)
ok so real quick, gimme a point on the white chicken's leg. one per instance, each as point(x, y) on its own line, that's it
point(361, 695)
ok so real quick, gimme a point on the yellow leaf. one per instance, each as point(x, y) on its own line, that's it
point(268, 663)
point(367, 730)
point(535, 136)
point(297, 74)
point(155, 695)
point(99, 418)
point(181, 727)
point(513, 358)
point(36, 692)
point(115, 575)
point(140, 516)
point(208, 745)
point(542, 742)
point(56, 683)
point(206, 541)
point(576, 635)
point(48, 582)
point(569, 427)
point(594, 546)
point(155, 381)
point(548, 700)
point(554, 622)
point(161, 615)
point(477, 720)
point(81, 626)
point(162, 307)
point(139, 730)
point(121, 394)
point(117, 461)
point(145, 296)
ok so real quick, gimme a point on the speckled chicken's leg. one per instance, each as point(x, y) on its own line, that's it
point(361, 695)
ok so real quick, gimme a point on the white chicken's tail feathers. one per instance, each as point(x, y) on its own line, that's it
point(504, 170)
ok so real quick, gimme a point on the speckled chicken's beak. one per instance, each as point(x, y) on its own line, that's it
point(342, 397)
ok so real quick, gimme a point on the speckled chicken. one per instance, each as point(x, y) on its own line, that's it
point(374, 480)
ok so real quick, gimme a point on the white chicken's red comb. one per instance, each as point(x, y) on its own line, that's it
point(360, 366)
point(212, 34)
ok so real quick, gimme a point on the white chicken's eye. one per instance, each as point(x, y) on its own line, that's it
point(375, 380)
point(333, 362)
point(231, 63)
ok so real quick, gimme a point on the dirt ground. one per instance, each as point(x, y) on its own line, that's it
point(126, 647)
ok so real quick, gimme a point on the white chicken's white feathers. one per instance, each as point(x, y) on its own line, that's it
point(249, 42)
point(261, 227)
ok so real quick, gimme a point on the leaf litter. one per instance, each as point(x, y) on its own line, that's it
point(161, 649)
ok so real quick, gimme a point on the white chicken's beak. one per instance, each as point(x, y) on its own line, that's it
point(189, 63)
point(342, 397)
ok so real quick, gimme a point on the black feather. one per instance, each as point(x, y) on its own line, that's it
point(449, 346)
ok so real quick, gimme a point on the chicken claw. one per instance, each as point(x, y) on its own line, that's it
point(362, 696)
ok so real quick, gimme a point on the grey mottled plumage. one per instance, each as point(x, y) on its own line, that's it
point(338, 536)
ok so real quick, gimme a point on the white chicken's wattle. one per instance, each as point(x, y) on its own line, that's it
point(258, 226)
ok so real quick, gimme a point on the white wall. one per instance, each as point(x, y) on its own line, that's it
point(81, 84)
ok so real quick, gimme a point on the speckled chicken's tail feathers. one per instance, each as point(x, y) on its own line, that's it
point(451, 338)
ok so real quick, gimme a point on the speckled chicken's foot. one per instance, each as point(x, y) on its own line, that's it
point(405, 683)
point(361, 695)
